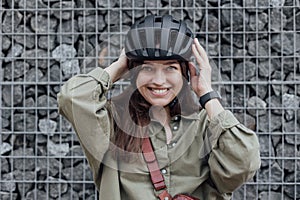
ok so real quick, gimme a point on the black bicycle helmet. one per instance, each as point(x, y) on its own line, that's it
point(159, 38)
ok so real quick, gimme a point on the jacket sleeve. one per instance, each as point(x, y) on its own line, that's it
point(82, 102)
point(235, 153)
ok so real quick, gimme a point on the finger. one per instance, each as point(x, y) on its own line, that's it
point(200, 49)
point(197, 54)
point(122, 52)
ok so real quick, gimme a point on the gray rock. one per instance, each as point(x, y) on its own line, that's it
point(232, 51)
point(258, 22)
point(256, 6)
point(41, 24)
point(277, 20)
point(33, 75)
point(246, 120)
point(5, 148)
point(15, 51)
point(87, 8)
point(36, 57)
point(47, 126)
point(36, 194)
point(12, 95)
point(244, 71)
point(23, 159)
point(5, 168)
point(293, 23)
point(15, 69)
point(91, 23)
point(238, 40)
point(6, 43)
point(277, 87)
point(198, 14)
point(262, 50)
point(287, 150)
point(20, 176)
point(77, 173)
point(45, 101)
point(227, 65)
point(55, 73)
point(256, 106)
point(70, 68)
point(290, 102)
point(8, 196)
point(46, 42)
point(269, 122)
point(277, 174)
point(48, 167)
point(270, 195)
point(233, 11)
point(7, 185)
point(25, 36)
point(286, 43)
point(277, 3)
point(69, 32)
point(110, 4)
point(64, 10)
point(266, 150)
point(58, 149)
point(64, 52)
point(57, 187)
point(73, 157)
point(31, 5)
point(11, 21)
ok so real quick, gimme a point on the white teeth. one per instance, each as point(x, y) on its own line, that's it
point(159, 91)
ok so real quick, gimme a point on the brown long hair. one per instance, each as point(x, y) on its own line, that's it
point(131, 114)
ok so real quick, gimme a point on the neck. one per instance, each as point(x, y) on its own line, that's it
point(161, 114)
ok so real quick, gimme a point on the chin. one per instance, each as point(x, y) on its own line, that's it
point(162, 104)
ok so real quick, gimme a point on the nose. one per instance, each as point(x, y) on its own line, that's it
point(159, 77)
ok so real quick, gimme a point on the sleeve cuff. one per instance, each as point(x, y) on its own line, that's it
point(221, 123)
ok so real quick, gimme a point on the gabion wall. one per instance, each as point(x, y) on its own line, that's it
point(254, 48)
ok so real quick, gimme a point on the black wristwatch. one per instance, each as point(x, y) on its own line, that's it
point(208, 96)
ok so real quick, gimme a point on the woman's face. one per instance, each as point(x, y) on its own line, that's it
point(160, 81)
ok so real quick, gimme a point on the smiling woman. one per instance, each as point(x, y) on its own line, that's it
point(154, 141)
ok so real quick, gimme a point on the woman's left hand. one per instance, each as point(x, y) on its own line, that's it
point(201, 81)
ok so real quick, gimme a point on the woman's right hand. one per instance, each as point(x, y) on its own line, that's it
point(118, 68)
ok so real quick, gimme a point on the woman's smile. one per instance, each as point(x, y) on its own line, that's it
point(159, 91)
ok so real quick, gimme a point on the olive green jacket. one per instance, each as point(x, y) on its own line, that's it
point(206, 158)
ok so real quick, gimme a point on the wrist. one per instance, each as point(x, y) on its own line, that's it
point(208, 96)
point(204, 91)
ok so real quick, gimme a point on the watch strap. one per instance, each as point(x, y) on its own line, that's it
point(208, 96)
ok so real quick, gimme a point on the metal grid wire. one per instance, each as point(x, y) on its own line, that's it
point(254, 48)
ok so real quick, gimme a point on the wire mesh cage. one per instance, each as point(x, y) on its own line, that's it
point(253, 46)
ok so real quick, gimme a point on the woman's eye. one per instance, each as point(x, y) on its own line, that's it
point(171, 68)
point(147, 68)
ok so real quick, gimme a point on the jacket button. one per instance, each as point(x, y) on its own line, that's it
point(175, 128)
point(164, 171)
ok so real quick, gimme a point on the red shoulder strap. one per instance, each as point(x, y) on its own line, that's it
point(156, 177)
point(150, 158)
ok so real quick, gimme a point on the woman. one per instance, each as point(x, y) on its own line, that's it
point(202, 151)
